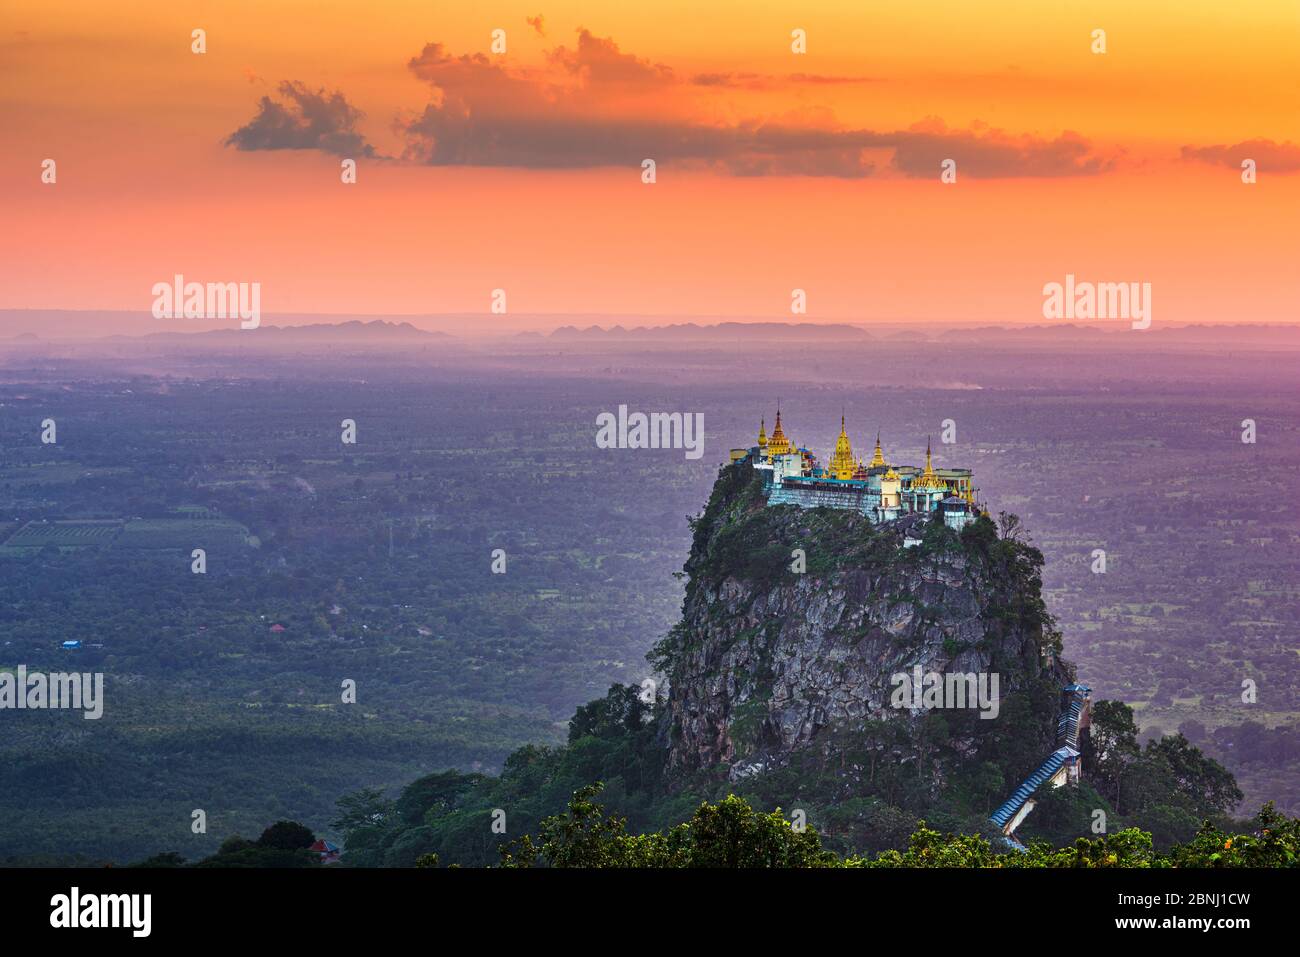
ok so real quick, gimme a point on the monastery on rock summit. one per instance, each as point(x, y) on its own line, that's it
point(877, 489)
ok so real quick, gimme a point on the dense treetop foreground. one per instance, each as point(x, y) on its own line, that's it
point(731, 834)
point(546, 796)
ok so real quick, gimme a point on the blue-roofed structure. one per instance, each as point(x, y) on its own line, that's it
point(1060, 767)
point(1072, 721)
point(1056, 763)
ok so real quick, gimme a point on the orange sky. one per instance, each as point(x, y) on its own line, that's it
point(522, 171)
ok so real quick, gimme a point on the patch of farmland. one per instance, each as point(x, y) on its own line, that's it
point(35, 535)
point(53, 473)
point(184, 533)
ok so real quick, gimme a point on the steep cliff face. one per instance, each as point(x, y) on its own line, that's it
point(768, 662)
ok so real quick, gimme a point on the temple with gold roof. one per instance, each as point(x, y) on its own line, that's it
point(876, 488)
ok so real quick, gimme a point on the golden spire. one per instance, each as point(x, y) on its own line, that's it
point(778, 444)
point(762, 435)
point(878, 459)
point(842, 463)
point(928, 479)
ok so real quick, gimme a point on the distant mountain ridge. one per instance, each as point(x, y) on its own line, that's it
point(807, 331)
point(53, 325)
point(353, 329)
point(28, 327)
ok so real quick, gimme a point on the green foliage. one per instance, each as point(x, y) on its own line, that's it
point(433, 794)
point(283, 844)
point(1062, 814)
point(980, 536)
point(1169, 786)
point(1198, 782)
point(166, 859)
point(859, 800)
point(1274, 841)
point(728, 834)
point(287, 836)
point(612, 739)
point(585, 837)
point(363, 809)
point(738, 536)
point(731, 834)
point(622, 711)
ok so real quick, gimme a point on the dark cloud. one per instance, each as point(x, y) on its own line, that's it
point(442, 137)
point(599, 106)
point(598, 61)
point(595, 105)
point(301, 119)
point(1270, 156)
point(991, 154)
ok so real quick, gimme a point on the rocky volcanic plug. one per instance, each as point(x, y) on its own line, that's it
point(767, 661)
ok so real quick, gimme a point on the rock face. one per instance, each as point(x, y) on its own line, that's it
point(767, 661)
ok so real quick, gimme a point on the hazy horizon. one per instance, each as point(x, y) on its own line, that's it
point(90, 324)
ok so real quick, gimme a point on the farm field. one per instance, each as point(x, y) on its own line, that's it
point(65, 536)
point(141, 533)
point(185, 533)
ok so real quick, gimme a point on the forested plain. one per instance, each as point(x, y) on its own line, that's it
point(375, 559)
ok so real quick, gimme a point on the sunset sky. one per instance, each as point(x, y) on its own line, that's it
point(776, 170)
